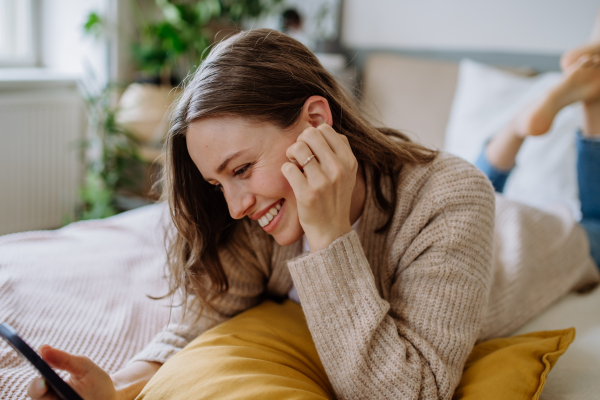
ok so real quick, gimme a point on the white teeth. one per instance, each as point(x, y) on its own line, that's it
point(268, 217)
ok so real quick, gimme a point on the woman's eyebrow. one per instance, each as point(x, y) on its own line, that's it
point(228, 159)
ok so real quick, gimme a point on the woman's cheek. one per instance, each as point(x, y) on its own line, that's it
point(279, 186)
point(289, 193)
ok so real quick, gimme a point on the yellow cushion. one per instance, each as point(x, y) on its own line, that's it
point(264, 353)
point(514, 367)
point(267, 353)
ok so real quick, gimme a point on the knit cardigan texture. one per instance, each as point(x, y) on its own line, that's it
point(395, 315)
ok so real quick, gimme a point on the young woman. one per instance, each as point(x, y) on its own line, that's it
point(402, 270)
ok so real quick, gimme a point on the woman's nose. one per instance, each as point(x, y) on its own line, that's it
point(239, 203)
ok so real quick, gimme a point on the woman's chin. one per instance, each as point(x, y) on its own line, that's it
point(288, 237)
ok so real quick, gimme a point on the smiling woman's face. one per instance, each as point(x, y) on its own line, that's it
point(252, 181)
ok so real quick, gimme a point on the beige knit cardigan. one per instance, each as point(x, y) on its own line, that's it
point(395, 315)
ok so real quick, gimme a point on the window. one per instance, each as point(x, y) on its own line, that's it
point(17, 38)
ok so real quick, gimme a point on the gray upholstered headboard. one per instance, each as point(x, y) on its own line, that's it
point(539, 62)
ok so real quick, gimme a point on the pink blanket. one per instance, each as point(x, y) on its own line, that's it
point(83, 289)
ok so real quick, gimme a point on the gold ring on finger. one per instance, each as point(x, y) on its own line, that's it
point(308, 160)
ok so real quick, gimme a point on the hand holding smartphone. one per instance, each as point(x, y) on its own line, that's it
point(60, 387)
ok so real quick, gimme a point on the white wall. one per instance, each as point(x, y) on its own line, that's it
point(534, 26)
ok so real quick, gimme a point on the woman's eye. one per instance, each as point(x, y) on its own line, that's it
point(242, 170)
point(239, 172)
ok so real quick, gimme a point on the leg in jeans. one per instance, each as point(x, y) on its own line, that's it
point(588, 175)
point(496, 176)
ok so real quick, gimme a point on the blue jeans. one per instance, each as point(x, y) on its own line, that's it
point(588, 177)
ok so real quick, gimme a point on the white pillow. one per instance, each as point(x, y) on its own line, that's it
point(485, 101)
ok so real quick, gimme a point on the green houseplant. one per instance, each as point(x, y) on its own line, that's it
point(113, 166)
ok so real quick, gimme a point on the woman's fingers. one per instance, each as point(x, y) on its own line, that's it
point(337, 142)
point(307, 193)
point(36, 388)
point(295, 177)
point(299, 152)
point(332, 150)
point(86, 378)
point(330, 147)
point(77, 366)
point(314, 138)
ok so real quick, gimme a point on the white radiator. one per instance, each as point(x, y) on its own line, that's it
point(40, 158)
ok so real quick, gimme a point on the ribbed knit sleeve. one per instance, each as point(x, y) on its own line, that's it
point(414, 344)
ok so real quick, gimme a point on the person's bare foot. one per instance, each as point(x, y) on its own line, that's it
point(581, 82)
point(592, 47)
point(591, 108)
point(570, 57)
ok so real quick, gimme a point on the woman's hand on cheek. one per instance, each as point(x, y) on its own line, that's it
point(324, 190)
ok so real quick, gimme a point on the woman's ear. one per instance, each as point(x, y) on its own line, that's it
point(316, 111)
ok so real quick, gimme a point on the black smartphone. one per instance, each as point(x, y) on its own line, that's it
point(60, 387)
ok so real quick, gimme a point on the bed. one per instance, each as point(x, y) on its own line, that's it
point(84, 288)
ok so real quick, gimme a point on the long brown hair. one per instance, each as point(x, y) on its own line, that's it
point(263, 76)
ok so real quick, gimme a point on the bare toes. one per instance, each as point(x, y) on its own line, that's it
point(582, 62)
point(585, 61)
point(573, 56)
